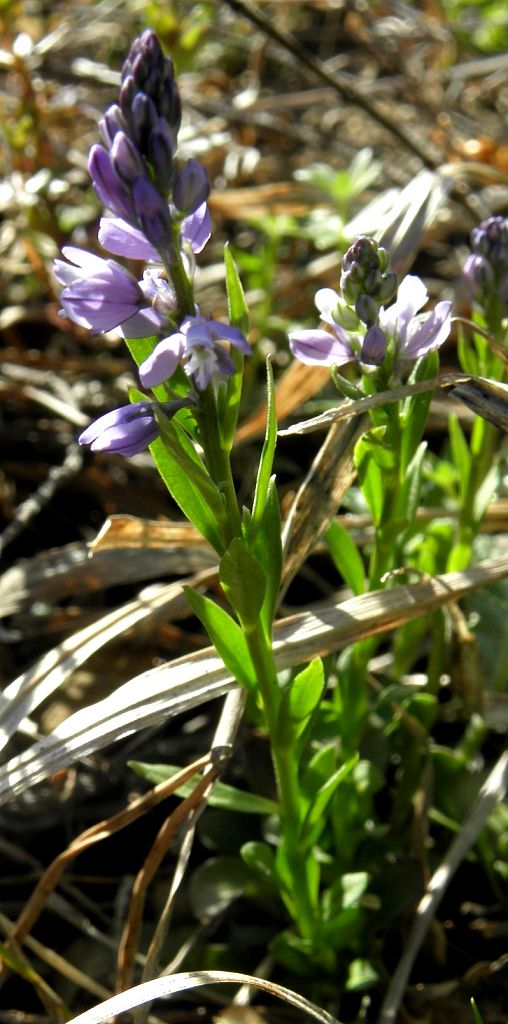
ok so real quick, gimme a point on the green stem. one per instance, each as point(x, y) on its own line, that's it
point(218, 461)
point(286, 775)
point(184, 292)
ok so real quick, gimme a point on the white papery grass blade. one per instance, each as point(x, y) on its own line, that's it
point(170, 689)
point(160, 988)
point(31, 688)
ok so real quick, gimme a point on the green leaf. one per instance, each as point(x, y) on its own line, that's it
point(361, 975)
point(188, 481)
point(216, 884)
point(243, 582)
point(260, 858)
point(238, 311)
point(477, 1017)
point(411, 492)
point(460, 453)
point(266, 547)
point(299, 700)
point(227, 637)
point(315, 819)
point(346, 557)
point(371, 479)
point(224, 797)
point(268, 452)
point(416, 409)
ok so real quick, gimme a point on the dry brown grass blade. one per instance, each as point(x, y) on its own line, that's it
point(253, 201)
point(220, 753)
point(49, 880)
point(58, 963)
point(330, 476)
point(296, 386)
point(180, 816)
point(126, 532)
point(336, 626)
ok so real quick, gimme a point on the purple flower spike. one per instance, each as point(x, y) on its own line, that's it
point(191, 187)
point(124, 431)
point(98, 294)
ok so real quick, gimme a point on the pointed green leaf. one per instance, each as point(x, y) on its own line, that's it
point(371, 479)
point(346, 557)
point(267, 454)
point(315, 819)
point(237, 307)
point(227, 638)
point(266, 547)
point(300, 698)
point(460, 453)
point(243, 582)
point(188, 481)
point(224, 797)
point(416, 409)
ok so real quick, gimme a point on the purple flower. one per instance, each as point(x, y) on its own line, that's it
point(131, 428)
point(124, 431)
point(317, 347)
point(98, 294)
point(198, 344)
point(415, 335)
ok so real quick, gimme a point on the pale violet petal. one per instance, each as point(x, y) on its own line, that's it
point(121, 239)
point(319, 348)
point(428, 334)
point(163, 361)
point(326, 301)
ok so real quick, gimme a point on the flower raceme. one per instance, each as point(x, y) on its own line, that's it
point(486, 269)
point(411, 335)
point(134, 173)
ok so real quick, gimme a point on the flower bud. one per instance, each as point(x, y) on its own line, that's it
point(126, 159)
point(191, 187)
point(153, 215)
point(374, 347)
point(367, 309)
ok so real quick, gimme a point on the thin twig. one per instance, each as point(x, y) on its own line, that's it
point(49, 880)
point(339, 83)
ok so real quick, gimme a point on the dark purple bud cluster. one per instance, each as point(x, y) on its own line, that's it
point(366, 281)
point(486, 269)
point(135, 174)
